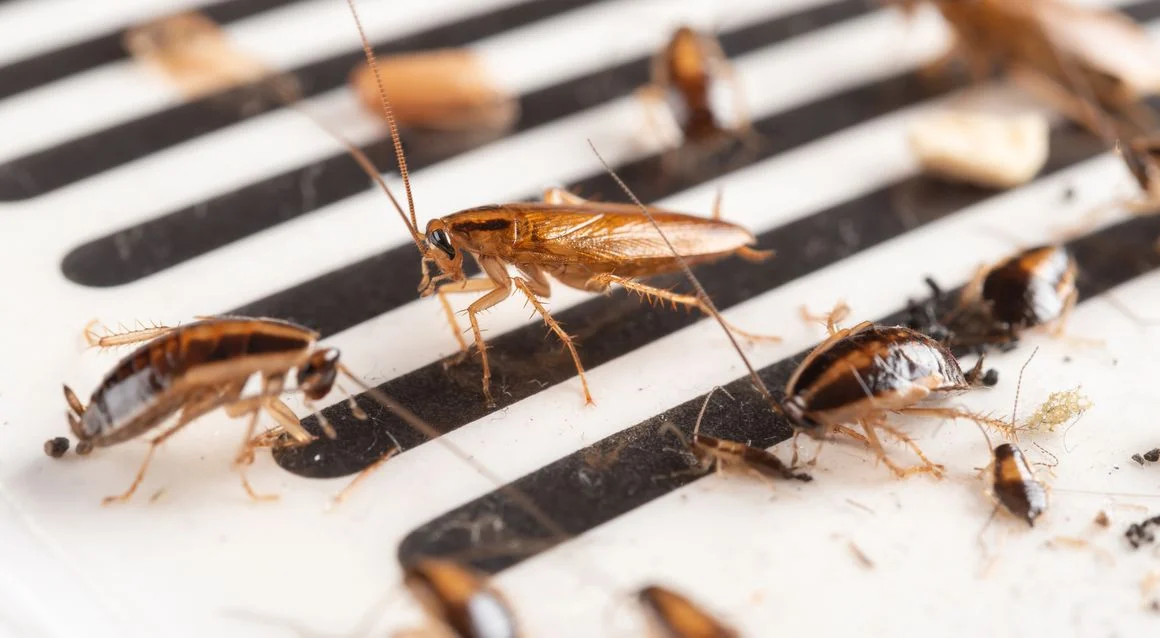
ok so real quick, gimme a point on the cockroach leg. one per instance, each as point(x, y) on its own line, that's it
point(876, 445)
point(390, 453)
point(247, 454)
point(479, 284)
point(830, 319)
point(525, 286)
point(1060, 323)
point(287, 419)
point(113, 339)
point(1057, 97)
point(652, 96)
point(603, 280)
point(957, 413)
point(192, 411)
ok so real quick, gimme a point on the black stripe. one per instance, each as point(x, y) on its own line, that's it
point(172, 238)
point(373, 286)
point(638, 464)
point(614, 325)
point(30, 73)
point(51, 168)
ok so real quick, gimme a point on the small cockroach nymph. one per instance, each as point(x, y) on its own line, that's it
point(585, 245)
point(674, 616)
point(692, 80)
point(195, 369)
point(858, 375)
point(460, 599)
point(448, 90)
point(712, 451)
point(1014, 484)
point(1035, 287)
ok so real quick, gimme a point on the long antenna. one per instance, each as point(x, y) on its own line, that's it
point(394, 128)
point(704, 296)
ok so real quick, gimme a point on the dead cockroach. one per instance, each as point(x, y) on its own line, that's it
point(446, 90)
point(675, 616)
point(1035, 287)
point(585, 245)
point(857, 375)
point(1063, 53)
point(688, 81)
point(711, 451)
point(461, 599)
point(190, 50)
point(194, 369)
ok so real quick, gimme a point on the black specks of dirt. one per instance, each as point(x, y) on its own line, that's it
point(57, 447)
point(1153, 455)
point(991, 377)
point(1143, 532)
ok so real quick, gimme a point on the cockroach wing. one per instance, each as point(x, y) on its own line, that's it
point(1105, 41)
point(591, 235)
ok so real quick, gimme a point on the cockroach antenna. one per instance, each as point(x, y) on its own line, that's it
point(696, 283)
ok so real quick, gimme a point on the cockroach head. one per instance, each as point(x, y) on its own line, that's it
point(440, 247)
point(316, 376)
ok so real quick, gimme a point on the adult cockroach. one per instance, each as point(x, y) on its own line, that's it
point(688, 80)
point(191, 370)
point(857, 375)
point(585, 245)
point(675, 616)
point(1049, 47)
point(447, 90)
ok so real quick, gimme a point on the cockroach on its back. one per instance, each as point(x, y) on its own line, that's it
point(585, 245)
point(674, 616)
point(194, 369)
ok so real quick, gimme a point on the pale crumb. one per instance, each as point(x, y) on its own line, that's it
point(1148, 594)
point(1102, 519)
point(995, 151)
point(1059, 408)
point(860, 556)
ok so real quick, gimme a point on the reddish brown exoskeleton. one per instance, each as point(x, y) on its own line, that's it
point(689, 77)
point(586, 245)
point(675, 616)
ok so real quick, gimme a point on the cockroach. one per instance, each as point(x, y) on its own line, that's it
point(1035, 287)
point(461, 599)
point(1060, 52)
point(586, 245)
point(448, 90)
point(710, 451)
point(674, 616)
point(688, 80)
point(857, 375)
point(1015, 486)
point(199, 367)
point(193, 52)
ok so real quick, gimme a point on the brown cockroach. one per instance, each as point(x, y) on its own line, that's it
point(194, 53)
point(710, 451)
point(461, 599)
point(585, 245)
point(191, 370)
point(1032, 288)
point(1060, 52)
point(675, 616)
point(447, 90)
point(857, 375)
point(689, 80)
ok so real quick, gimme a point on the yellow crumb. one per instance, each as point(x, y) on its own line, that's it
point(1059, 408)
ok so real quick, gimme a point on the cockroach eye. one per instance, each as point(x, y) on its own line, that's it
point(439, 239)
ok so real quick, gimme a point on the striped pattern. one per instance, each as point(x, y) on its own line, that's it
point(250, 211)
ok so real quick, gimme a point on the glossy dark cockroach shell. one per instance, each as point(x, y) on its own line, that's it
point(1015, 485)
point(1031, 288)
